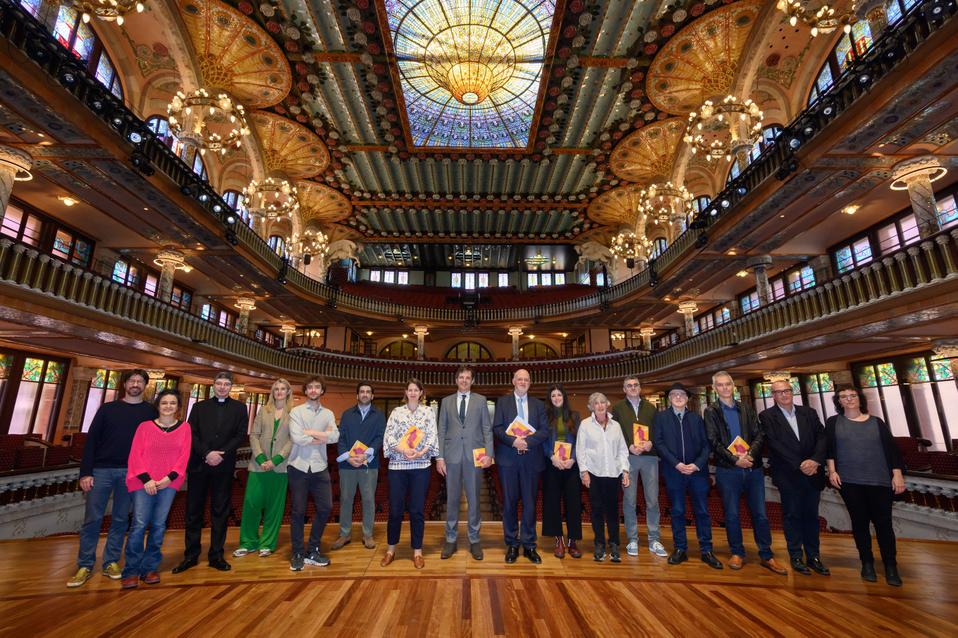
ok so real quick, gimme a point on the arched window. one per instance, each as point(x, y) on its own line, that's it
point(400, 350)
point(234, 199)
point(700, 203)
point(536, 350)
point(468, 351)
point(769, 134)
point(32, 7)
point(659, 244)
point(278, 244)
point(161, 126)
point(78, 37)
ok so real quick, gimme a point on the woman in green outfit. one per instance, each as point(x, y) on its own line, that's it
point(265, 498)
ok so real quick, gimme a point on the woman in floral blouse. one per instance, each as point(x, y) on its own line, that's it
point(410, 444)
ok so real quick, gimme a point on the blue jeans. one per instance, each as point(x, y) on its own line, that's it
point(695, 485)
point(732, 483)
point(645, 466)
point(107, 481)
point(148, 512)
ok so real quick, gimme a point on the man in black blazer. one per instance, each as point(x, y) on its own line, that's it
point(520, 462)
point(219, 428)
point(796, 447)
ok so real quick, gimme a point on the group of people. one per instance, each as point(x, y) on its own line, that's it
point(139, 454)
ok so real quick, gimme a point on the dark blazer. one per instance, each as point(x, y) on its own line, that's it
point(507, 455)
point(625, 416)
point(549, 446)
point(668, 440)
point(719, 437)
point(215, 430)
point(892, 453)
point(457, 440)
point(786, 453)
point(352, 428)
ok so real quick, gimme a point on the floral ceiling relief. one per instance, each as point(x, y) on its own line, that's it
point(289, 148)
point(648, 154)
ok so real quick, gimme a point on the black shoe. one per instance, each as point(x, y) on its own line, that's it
point(296, 563)
point(476, 550)
point(448, 549)
point(532, 555)
point(799, 566)
point(512, 553)
point(220, 564)
point(816, 564)
point(892, 577)
point(614, 555)
point(868, 572)
point(315, 558)
point(599, 554)
point(186, 564)
point(678, 556)
point(709, 559)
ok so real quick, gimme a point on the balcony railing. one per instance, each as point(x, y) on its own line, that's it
point(149, 153)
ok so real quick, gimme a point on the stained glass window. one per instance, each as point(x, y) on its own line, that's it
point(32, 6)
point(99, 379)
point(947, 212)
point(843, 51)
point(862, 37)
point(886, 374)
point(32, 370)
point(866, 377)
point(941, 368)
point(54, 372)
point(825, 382)
point(917, 371)
point(67, 18)
point(470, 69)
point(503, 279)
point(468, 351)
point(6, 361)
point(811, 385)
point(559, 278)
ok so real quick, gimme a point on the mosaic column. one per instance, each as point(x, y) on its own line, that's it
point(245, 305)
point(421, 332)
point(79, 388)
point(688, 310)
point(759, 266)
point(646, 332)
point(14, 167)
point(515, 332)
point(169, 262)
point(916, 176)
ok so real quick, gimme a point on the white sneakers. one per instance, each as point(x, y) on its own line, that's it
point(658, 549)
point(632, 549)
point(240, 552)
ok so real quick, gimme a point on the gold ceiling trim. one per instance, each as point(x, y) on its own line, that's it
point(701, 60)
point(322, 204)
point(289, 148)
point(617, 207)
point(647, 155)
point(234, 54)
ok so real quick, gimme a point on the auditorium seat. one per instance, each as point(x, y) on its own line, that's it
point(29, 458)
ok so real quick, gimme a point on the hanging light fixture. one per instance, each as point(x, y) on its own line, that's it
point(723, 130)
point(629, 247)
point(107, 10)
point(208, 121)
point(660, 203)
point(819, 16)
point(272, 198)
point(470, 60)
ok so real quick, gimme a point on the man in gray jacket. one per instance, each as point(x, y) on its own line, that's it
point(464, 426)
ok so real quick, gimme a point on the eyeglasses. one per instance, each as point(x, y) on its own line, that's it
point(631, 385)
point(847, 397)
point(788, 391)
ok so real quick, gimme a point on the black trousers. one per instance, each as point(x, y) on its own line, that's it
point(871, 504)
point(218, 485)
point(562, 487)
point(303, 485)
point(604, 501)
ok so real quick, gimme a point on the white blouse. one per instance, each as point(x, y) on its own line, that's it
point(601, 452)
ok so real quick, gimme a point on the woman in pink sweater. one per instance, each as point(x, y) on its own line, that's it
point(157, 468)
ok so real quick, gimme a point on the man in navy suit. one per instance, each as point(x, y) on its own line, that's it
point(796, 452)
point(679, 436)
point(520, 462)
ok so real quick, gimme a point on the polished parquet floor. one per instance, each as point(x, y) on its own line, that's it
point(462, 597)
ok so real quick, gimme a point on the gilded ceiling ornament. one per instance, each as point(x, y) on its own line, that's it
point(649, 153)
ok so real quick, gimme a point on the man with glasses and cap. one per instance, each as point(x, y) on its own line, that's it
point(679, 437)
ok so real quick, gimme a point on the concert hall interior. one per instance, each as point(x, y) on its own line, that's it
point(583, 191)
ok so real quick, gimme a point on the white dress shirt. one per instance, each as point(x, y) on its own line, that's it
point(792, 419)
point(306, 455)
point(601, 452)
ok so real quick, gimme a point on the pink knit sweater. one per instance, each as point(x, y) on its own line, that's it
point(158, 453)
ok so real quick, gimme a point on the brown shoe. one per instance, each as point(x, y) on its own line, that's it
point(152, 578)
point(774, 567)
point(368, 542)
point(341, 542)
point(388, 558)
point(130, 582)
point(418, 561)
point(735, 562)
point(560, 548)
point(573, 549)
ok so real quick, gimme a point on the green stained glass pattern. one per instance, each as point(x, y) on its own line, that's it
point(866, 378)
point(825, 382)
point(99, 379)
point(54, 372)
point(195, 391)
point(918, 371)
point(763, 390)
point(811, 385)
point(114, 381)
point(32, 369)
point(796, 386)
point(886, 374)
point(6, 361)
point(941, 368)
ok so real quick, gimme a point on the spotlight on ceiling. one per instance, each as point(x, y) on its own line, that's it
point(230, 219)
point(142, 163)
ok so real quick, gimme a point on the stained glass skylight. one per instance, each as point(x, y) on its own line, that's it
point(470, 69)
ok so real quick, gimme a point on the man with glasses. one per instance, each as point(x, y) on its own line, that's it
point(796, 446)
point(644, 462)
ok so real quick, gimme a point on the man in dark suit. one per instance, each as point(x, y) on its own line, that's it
point(219, 428)
point(679, 437)
point(521, 461)
point(796, 446)
point(464, 425)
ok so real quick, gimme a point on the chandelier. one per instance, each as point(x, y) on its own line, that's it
point(723, 129)
point(206, 121)
point(470, 61)
point(629, 247)
point(272, 198)
point(109, 10)
point(537, 261)
point(173, 260)
point(661, 202)
point(821, 20)
point(313, 242)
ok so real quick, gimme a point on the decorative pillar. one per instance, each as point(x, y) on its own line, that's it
point(646, 332)
point(822, 267)
point(169, 262)
point(288, 330)
point(245, 305)
point(79, 388)
point(916, 176)
point(421, 332)
point(14, 167)
point(759, 266)
point(515, 332)
point(874, 12)
point(688, 310)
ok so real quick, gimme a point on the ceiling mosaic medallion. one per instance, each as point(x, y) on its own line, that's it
point(647, 155)
point(322, 204)
point(701, 60)
point(289, 148)
point(616, 207)
point(470, 69)
point(234, 54)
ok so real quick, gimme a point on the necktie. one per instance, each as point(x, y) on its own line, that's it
point(462, 408)
point(522, 408)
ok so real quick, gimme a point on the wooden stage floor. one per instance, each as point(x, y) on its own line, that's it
point(462, 597)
